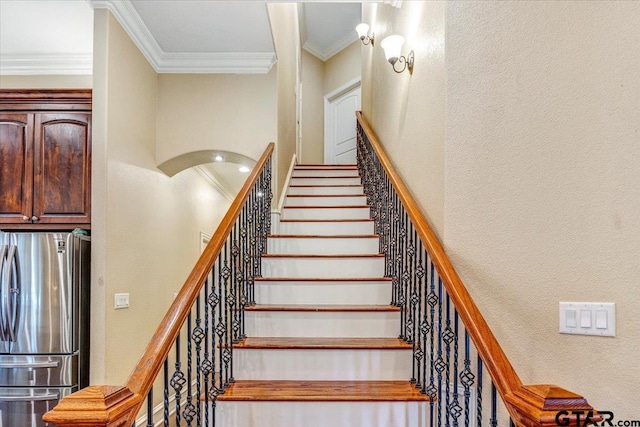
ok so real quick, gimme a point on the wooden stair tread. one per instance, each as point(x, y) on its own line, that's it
point(325, 391)
point(327, 207)
point(341, 256)
point(323, 279)
point(323, 236)
point(323, 343)
point(325, 195)
point(324, 166)
point(322, 308)
point(328, 220)
point(327, 185)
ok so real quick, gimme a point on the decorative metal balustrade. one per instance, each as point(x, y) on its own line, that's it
point(457, 361)
point(189, 363)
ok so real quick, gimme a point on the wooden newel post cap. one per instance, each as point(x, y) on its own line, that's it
point(94, 406)
point(549, 405)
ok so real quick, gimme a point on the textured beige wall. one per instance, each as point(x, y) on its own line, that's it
point(146, 234)
point(286, 37)
point(530, 174)
point(215, 111)
point(407, 112)
point(342, 68)
point(312, 109)
point(47, 82)
point(543, 182)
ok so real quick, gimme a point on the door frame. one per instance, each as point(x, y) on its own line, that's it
point(328, 118)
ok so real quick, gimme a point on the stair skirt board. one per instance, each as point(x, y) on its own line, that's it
point(309, 245)
point(321, 173)
point(326, 228)
point(322, 414)
point(323, 267)
point(323, 292)
point(335, 180)
point(325, 200)
point(326, 190)
point(322, 324)
point(321, 364)
point(326, 212)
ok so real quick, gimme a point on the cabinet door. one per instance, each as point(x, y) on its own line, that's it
point(16, 167)
point(62, 168)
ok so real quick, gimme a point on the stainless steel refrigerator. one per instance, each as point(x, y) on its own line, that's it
point(44, 322)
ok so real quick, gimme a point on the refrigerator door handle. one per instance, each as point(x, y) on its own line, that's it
point(12, 276)
point(41, 398)
point(3, 257)
point(35, 365)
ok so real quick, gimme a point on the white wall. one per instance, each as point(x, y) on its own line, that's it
point(47, 82)
point(518, 134)
point(312, 109)
point(286, 38)
point(407, 112)
point(543, 182)
point(226, 112)
point(146, 226)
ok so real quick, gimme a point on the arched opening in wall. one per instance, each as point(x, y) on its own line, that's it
point(224, 170)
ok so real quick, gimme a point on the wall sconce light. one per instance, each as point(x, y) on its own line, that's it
point(363, 30)
point(392, 46)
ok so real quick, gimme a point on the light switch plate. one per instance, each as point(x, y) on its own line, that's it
point(588, 318)
point(120, 301)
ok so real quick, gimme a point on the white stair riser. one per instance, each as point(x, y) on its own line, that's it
point(326, 190)
point(321, 364)
point(325, 181)
point(327, 201)
point(326, 213)
point(323, 246)
point(322, 414)
point(363, 267)
point(322, 324)
point(327, 228)
point(323, 292)
point(298, 173)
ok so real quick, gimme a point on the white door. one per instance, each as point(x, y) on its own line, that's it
point(340, 125)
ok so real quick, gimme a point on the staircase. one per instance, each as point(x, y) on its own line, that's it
point(322, 346)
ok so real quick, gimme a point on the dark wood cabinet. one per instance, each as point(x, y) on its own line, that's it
point(45, 159)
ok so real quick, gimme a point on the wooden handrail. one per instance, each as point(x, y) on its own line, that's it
point(527, 405)
point(118, 405)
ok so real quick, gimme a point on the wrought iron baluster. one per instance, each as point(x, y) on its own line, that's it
point(226, 341)
point(198, 335)
point(494, 406)
point(455, 409)
point(440, 363)
point(448, 337)
point(150, 408)
point(189, 409)
point(206, 366)
point(479, 394)
point(177, 382)
point(467, 378)
point(165, 403)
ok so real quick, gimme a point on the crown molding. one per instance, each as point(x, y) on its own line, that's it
point(182, 62)
point(37, 64)
point(326, 54)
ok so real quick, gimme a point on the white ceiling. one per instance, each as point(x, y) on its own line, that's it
point(210, 36)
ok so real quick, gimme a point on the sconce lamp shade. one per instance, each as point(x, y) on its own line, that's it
point(392, 46)
point(362, 30)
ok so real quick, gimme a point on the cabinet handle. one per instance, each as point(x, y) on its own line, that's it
point(34, 218)
point(25, 218)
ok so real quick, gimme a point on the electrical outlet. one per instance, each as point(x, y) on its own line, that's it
point(120, 301)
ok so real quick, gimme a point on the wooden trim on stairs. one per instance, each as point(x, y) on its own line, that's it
point(115, 406)
point(526, 404)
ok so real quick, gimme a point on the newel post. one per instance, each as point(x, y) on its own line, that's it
point(95, 406)
point(546, 405)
